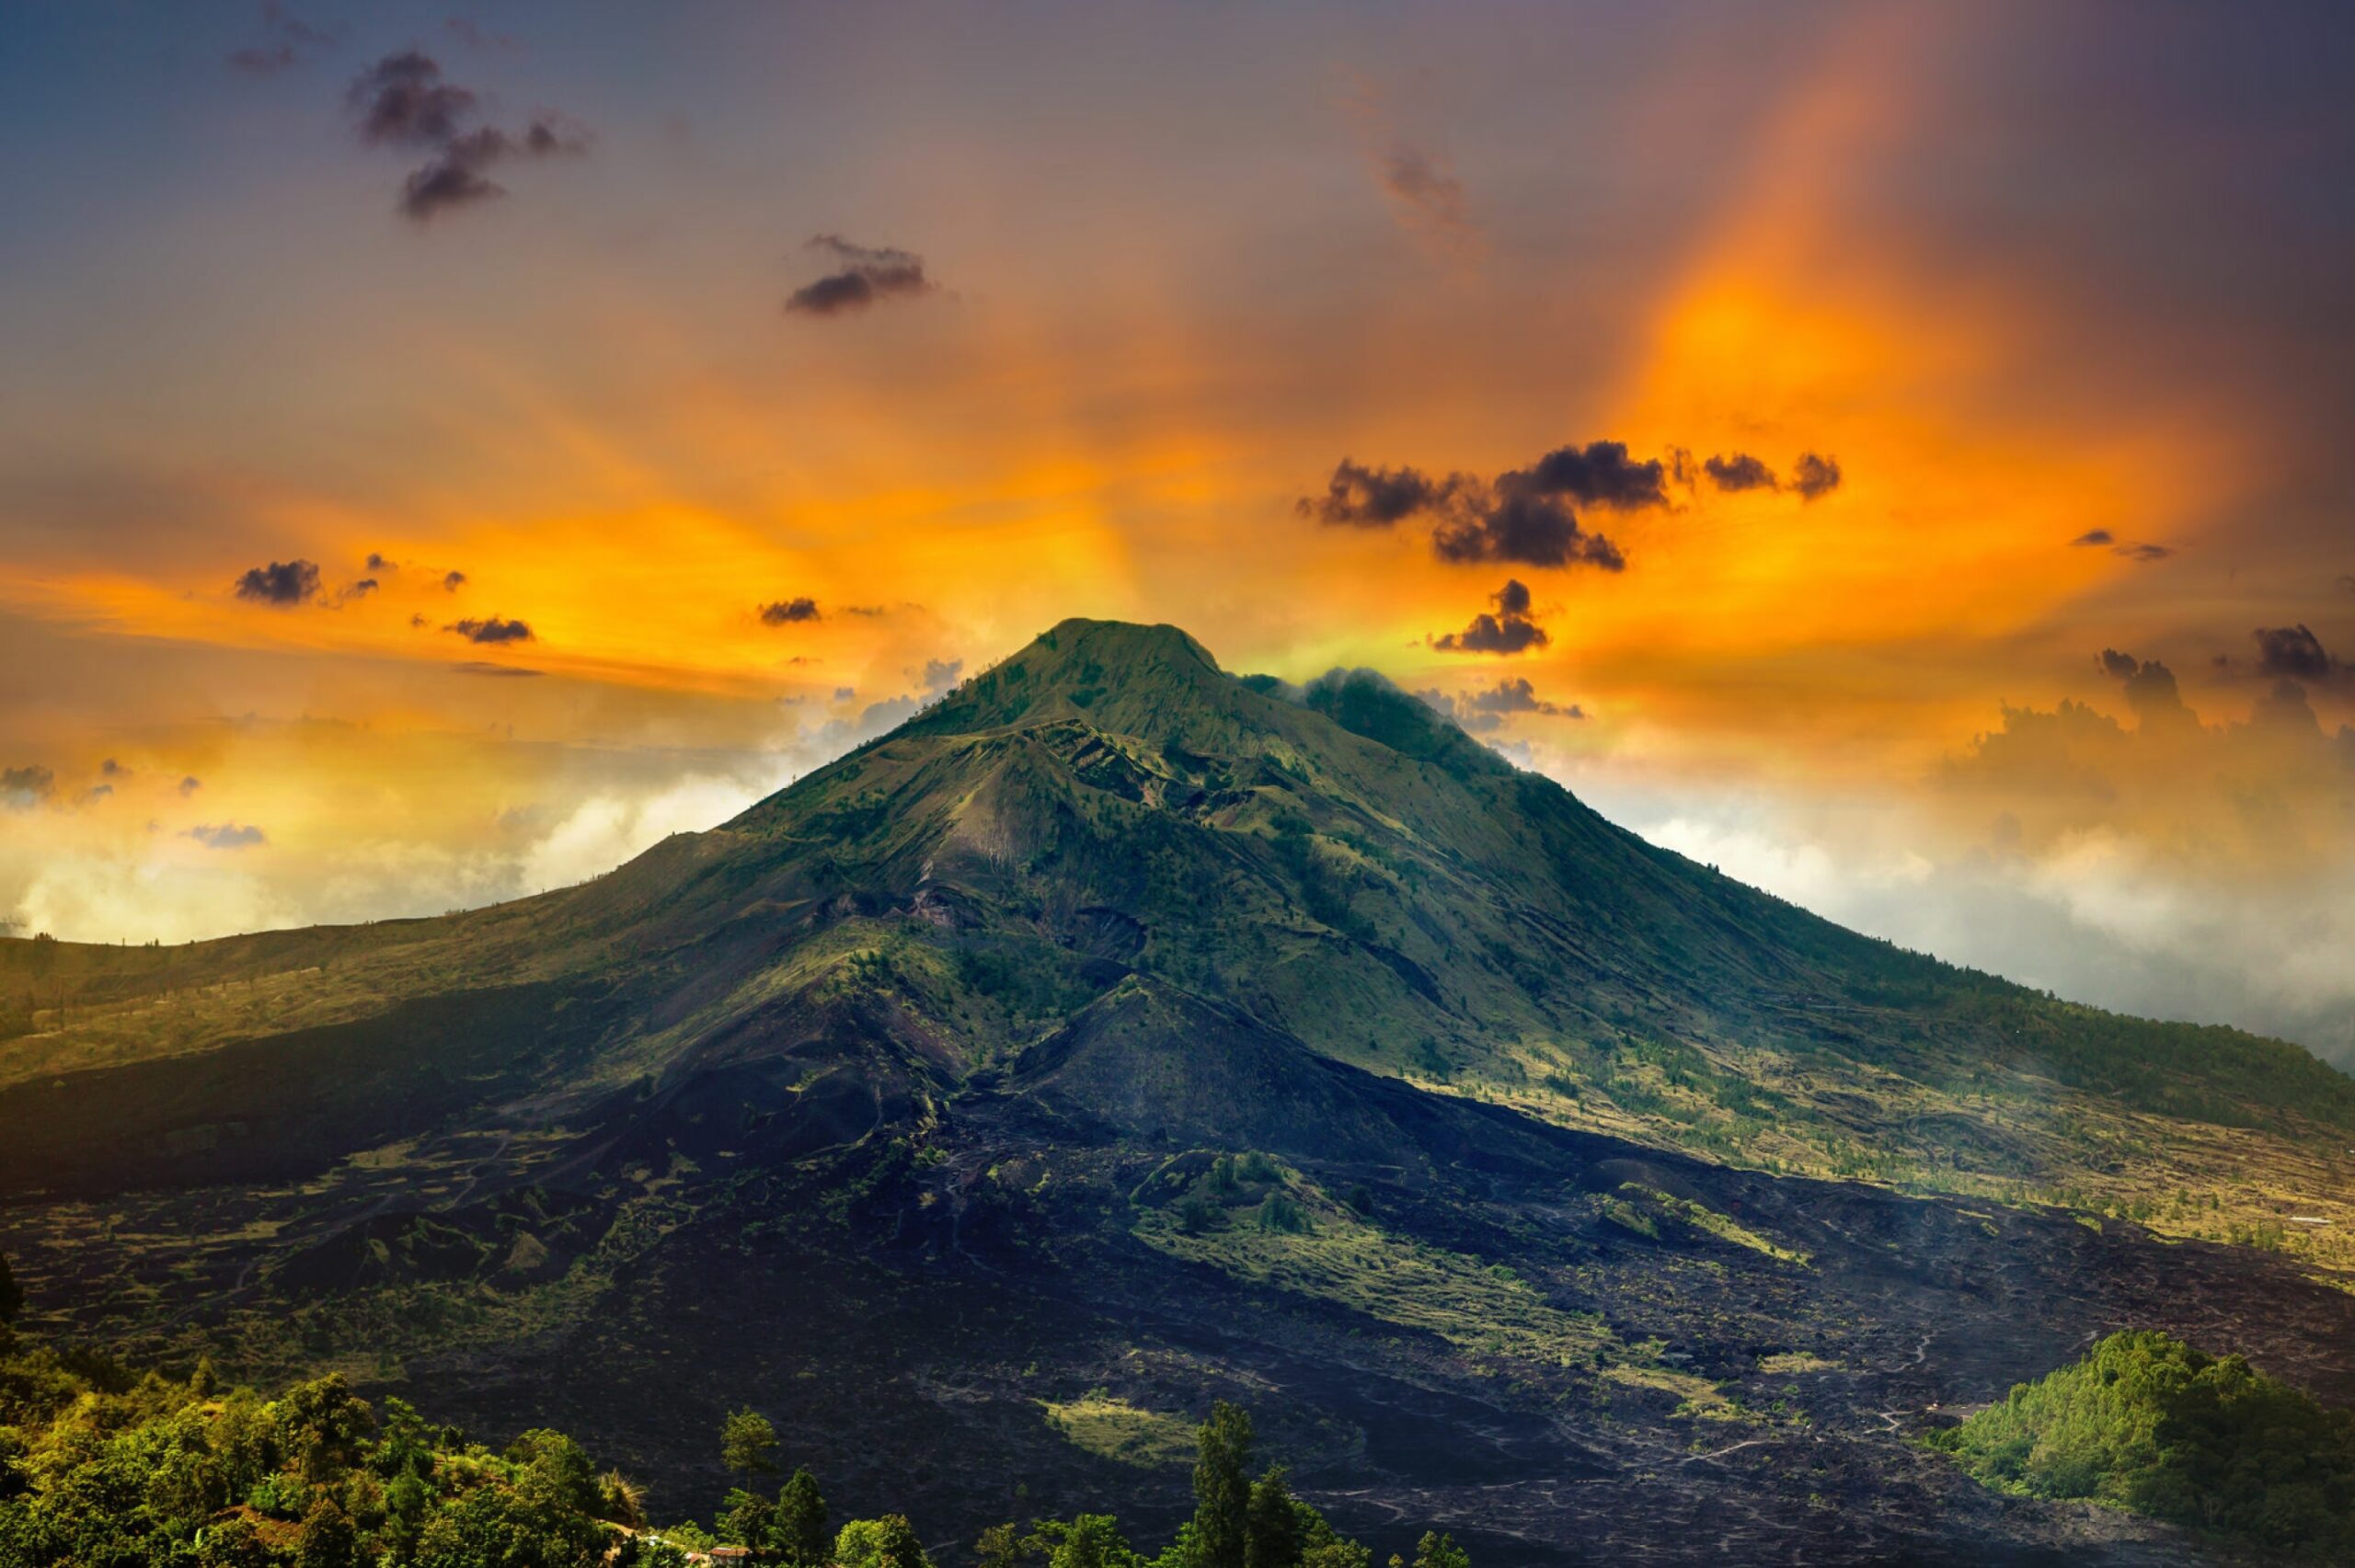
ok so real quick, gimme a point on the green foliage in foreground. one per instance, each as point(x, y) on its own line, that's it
point(100, 1470)
point(2146, 1422)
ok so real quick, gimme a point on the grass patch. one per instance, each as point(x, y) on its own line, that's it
point(1115, 1429)
point(1699, 1216)
point(1697, 1399)
point(1341, 1257)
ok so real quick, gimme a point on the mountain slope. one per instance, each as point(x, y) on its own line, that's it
point(1345, 867)
point(918, 1073)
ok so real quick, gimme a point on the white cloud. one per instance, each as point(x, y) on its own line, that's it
point(2094, 915)
point(607, 829)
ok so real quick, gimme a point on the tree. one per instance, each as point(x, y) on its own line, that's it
point(233, 1543)
point(327, 1538)
point(746, 1518)
point(621, 1500)
point(1272, 1526)
point(748, 1443)
point(998, 1547)
point(1338, 1553)
point(1198, 1216)
point(1321, 1546)
point(1436, 1551)
point(887, 1542)
point(558, 1473)
point(1279, 1213)
point(1222, 1495)
point(800, 1533)
point(1091, 1540)
point(321, 1425)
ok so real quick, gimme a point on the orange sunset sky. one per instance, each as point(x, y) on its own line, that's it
point(440, 454)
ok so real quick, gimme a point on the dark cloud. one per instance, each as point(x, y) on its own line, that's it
point(551, 134)
point(189, 786)
point(845, 693)
point(479, 667)
point(1599, 474)
point(2102, 538)
point(492, 630)
point(785, 612)
point(2293, 653)
point(1528, 528)
point(1739, 471)
point(286, 38)
point(455, 178)
point(1814, 475)
point(1523, 518)
point(1491, 634)
point(280, 583)
point(1428, 199)
point(227, 836)
point(1508, 631)
point(97, 792)
point(1484, 712)
point(2150, 687)
point(1518, 696)
point(452, 581)
point(941, 674)
point(403, 101)
point(1360, 496)
point(111, 769)
point(2285, 711)
point(23, 788)
point(362, 589)
point(865, 276)
point(377, 563)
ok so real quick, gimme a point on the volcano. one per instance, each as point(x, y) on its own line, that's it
point(1118, 1034)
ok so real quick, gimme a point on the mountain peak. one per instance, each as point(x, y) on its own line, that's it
point(1077, 633)
point(1115, 675)
point(1078, 653)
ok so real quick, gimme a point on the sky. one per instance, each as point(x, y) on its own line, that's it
point(1895, 453)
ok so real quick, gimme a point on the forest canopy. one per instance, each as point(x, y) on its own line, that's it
point(2148, 1424)
point(102, 1468)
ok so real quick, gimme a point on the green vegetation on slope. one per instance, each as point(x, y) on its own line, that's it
point(2146, 1422)
point(1259, 1220)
